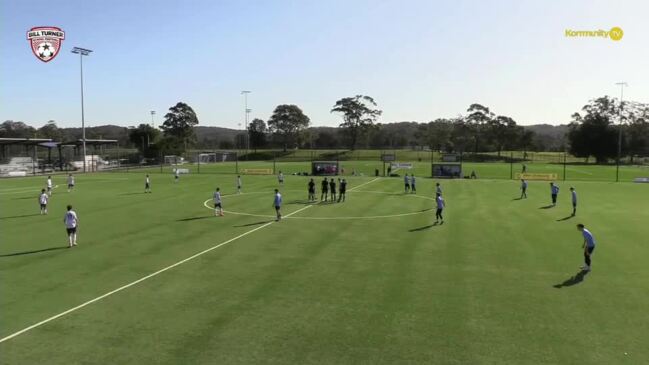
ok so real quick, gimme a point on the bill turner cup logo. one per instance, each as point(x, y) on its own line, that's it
point(45, 42)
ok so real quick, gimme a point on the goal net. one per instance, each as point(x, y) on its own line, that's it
point(174, 160)
point(215, 157)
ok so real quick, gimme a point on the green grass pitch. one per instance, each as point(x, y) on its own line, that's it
point(365, 281)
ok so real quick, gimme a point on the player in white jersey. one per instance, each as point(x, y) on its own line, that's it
point(277, 202)
point(218, 207)
point(280, 178)
point(413, 188)
point(440, 207)
point(438, 189)
point(42, 200)
point(406, 183)
point(49, 185)
point(573, 195)
point(238, 184)
point(588, 246)
point(176, 175)
point(70, 182)
point(147, 184)
point(71, 223)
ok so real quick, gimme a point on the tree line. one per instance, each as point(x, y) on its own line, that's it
point(593, 132)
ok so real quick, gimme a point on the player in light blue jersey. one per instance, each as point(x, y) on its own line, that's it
point(554, 191)
point(523, 188)
point(589, 246)
point(573, 194)
point(277, 202)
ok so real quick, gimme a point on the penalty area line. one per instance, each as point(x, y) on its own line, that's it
point(35, 325)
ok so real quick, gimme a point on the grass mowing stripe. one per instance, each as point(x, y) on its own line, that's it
point(144, 278)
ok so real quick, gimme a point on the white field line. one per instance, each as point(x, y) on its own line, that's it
point(35, 325)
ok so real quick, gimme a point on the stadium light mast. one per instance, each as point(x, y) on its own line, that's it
point(247, 111)
point(622, 85)
point(152, 114)
point(82, 52)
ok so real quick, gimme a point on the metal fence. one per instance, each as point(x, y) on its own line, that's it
point(487, 165)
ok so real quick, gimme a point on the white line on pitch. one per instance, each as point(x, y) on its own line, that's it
point(152, 274)
point(141, 279)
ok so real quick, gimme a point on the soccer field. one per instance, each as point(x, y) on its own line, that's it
point(157, 278)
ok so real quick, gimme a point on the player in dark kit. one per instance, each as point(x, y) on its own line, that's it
point(332, 187)
point(311, 190)
point(324, 191)
point(343, 189)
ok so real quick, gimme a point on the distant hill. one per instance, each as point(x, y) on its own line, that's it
point(550, 137)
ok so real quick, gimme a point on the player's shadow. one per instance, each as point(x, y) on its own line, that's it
point(547, 206)
point(423, 228)
point(20, 216)
point(519, 198)
point(565, 218)
point(303, 202)
point(255, 223)
point(194, 218)
point(574, 280)
point(34, 251)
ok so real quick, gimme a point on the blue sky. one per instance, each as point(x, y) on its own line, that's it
point(419, 59)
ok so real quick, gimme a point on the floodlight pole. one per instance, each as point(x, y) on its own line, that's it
point(247, 111)
point(152, 114)
point(82, 52)
point(619, 135)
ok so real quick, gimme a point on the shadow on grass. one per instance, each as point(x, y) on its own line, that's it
point(255, 223)
point(20, 216)
point(194, 218)
point(35, 251)
point(303, 202)
point(565, 218)
point(547, 206)
point(423, 228)
point(574, 280)
point(25, 197)
point(520, 198)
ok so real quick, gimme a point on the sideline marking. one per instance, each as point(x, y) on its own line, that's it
point(9, 337)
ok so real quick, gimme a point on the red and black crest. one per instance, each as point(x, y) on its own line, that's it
point(46, 42)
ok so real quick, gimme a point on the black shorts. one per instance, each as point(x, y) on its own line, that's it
point(590, 250)
point(342, 191)
point(413, 187)
point(407, 185)
point(49, 188)
point(325, 191)
point(71, 230)
point(574, 205)
point(333, 191)
point(311, 191)
point(43, 206)
point(70, 185)
point(217, 205)
point(146, 185)
point(439, 211)
point(277, 207)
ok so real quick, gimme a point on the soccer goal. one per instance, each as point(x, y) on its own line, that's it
point(319, 168)
point(216, 157)
point(174, 160)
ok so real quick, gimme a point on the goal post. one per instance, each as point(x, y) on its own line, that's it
point(216, 157)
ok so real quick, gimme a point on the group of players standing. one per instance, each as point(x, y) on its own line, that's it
point(328, 190)
point(589, 240)
point(70, 219)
